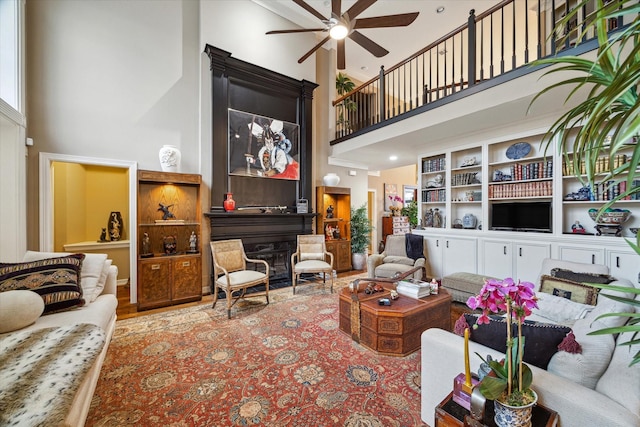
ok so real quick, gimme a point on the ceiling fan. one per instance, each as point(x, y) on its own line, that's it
point(344, 25)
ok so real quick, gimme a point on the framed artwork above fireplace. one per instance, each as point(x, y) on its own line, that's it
point(263, 147)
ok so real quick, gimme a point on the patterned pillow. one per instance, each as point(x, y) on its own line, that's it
point(56, 280)
point(541, 339)
point(582, 277)
point(575, 291)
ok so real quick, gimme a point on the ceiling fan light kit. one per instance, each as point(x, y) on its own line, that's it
point(343, 25)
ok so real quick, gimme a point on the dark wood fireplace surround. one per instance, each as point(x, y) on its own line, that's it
point(246, 87)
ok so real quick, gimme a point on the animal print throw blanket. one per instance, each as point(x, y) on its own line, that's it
point(41, 370)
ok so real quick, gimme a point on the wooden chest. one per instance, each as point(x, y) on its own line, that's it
point(393, 330)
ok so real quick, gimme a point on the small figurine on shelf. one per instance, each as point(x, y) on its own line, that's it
point(165, 211)
point(336, 233)
point(103, 236)
point(437, 218)
point(330, 211)
point(170, 245)
point(193, 243)
point(328, 231)
point(428, 218)
point(146, 247)
point(577, 228)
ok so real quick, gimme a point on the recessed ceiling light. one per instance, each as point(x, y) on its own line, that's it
point(440, 9)
point(364, 68)
point(393, 158)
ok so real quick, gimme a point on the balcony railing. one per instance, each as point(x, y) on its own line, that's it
point(500, 40)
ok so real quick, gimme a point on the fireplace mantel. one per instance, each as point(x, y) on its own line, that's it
point(260, 227)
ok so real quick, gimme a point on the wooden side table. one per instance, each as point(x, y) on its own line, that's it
point(450, 414)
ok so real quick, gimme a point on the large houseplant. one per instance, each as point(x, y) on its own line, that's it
point(360, 236)
point(510, 381)
point(606, 122)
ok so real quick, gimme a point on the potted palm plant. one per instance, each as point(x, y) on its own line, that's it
point(607, 121)
point(360, 236)
point(344, 85)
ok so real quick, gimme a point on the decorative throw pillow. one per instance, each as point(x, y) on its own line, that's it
point(19, 309)
point(90, 274)
point(541, 339)
point(394, 259)
point(577, 292)
point(560, 310)
point(581, 277)
point(56, 280)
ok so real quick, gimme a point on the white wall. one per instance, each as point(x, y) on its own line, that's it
point(117, 79)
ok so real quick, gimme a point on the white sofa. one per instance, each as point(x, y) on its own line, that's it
point(614, 399)
point(96, 271)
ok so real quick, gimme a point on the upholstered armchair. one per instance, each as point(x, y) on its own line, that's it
point(231, 274)
point(311, 257)
point(394, 259)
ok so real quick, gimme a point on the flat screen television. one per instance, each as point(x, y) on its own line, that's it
point(521, 216)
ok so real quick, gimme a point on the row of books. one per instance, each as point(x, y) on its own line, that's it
point(602, 165)
point(610, 190)
point(434, 196)
point(433, 165)
point(535, 170)
point(523, 189)
point(465, 178)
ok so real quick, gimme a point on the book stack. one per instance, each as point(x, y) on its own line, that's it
point(414, 288)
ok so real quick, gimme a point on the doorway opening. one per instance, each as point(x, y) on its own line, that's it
point(77, 196)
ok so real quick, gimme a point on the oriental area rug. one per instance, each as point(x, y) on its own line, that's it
point(282, 364)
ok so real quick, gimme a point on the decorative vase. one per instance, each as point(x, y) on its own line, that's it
point(229, 204)
point(170, 158)
point(115, 226)
point(331, 179)
point(358, 261)
point(469, 221)
point(514, 416)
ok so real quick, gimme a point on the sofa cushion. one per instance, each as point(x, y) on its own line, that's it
point(560, 310)
point(574, 291)
point(581, 277)
point(19, 309)
point(103, 279)
point(541, 339)
point(90, 274)
point(621, 381)
point(56, 280)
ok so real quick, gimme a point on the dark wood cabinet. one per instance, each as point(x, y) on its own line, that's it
point(333, 206)
point(168, 277)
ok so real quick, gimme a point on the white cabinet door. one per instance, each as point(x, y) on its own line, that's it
point(459, 255)
point(584, 254)
point(497, 258)
point(528, 259)
point(625, 265)
point(434, 256)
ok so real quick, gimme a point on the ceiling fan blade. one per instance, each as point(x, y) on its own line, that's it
point(316, 47)
point(309, 9)
point(359, 7)
point(401, 20)
point(364, 41)
point(301, 30)
point(341, 62)
point(336, 8)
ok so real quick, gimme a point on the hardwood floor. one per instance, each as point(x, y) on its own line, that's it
point(127, 310)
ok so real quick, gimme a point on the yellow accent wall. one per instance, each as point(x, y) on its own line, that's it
point(84, 196)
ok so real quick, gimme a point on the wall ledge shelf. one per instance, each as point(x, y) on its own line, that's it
point(92, 246)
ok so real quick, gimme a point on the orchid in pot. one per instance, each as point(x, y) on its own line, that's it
point(510, 380)
point(395, 208)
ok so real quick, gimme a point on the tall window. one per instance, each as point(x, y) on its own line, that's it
point(10, 54)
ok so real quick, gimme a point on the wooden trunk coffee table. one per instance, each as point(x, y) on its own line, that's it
point(392, 330)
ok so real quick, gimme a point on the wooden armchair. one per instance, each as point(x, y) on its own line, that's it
point(310, 257)
point(231, 275)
